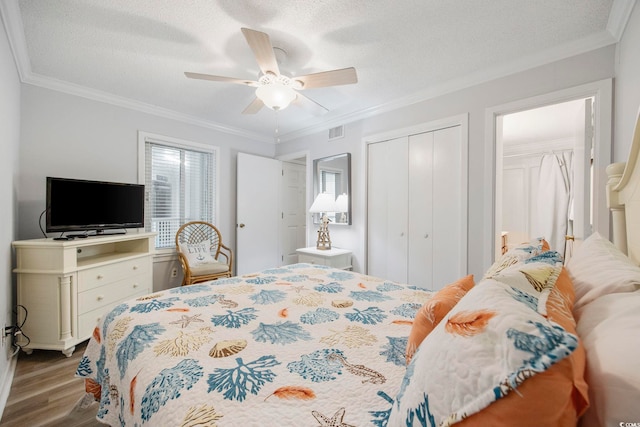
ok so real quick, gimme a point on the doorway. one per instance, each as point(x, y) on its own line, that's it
point(293, 232)
point(270, 208)
point(546, 170)
point(589, 161)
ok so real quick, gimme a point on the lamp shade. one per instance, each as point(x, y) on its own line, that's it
point(276, 95)
point(342, 203)
point(323, 203)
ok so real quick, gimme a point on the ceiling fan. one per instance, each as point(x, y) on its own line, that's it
point(276, 90)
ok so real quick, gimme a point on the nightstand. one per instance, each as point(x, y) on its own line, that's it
point(334, 257)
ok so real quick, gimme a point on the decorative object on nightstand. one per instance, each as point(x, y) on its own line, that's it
point(335, 257)
point(322, 204)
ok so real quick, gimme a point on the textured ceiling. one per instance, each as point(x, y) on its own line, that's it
point(135, 52)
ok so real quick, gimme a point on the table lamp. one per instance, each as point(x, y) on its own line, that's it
point(322, 204)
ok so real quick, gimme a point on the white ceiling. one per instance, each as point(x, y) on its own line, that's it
point(555, 124)
point(134, 53)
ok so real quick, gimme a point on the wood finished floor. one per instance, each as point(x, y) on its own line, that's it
point(45, 391)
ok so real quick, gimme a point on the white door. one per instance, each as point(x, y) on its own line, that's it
point(257, 213)
point(436, 211)
point(421, 204)
point(581, 212)
point(294, 215)
point(387, 219)
point(449, 258)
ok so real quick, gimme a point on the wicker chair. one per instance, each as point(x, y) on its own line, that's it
point(199, 246)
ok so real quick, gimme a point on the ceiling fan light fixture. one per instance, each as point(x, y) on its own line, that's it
point(273, 89)
point(276, 95)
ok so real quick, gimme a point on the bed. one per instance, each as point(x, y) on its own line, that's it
point(533, 342)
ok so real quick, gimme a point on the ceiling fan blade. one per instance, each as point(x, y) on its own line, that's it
point(343, 76)
point(254, 107)
point(262, 48)
point(309, 104)
point(221, 79)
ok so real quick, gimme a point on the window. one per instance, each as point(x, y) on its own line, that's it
point(180, 181)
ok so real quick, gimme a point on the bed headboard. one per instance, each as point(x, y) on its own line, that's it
point(623, 198)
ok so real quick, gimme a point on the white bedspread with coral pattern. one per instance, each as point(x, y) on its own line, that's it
point(300, 345)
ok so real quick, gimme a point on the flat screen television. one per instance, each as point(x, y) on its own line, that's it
point(82, 205)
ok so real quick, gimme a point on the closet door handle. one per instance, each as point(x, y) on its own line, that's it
point(426, 236)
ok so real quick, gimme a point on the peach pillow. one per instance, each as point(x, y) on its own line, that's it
point(555, 397)
point(434, 310)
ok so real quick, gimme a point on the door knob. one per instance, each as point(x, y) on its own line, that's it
point(241, 225)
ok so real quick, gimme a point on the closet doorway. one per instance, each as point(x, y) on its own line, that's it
point(550, 155)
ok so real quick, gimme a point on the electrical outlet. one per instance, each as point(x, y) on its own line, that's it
point(7, 331)
point(174, 272)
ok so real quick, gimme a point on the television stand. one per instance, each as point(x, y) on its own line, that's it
point(67, 286)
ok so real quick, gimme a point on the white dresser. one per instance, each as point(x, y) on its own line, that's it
point(66, 286)
point(334, 257)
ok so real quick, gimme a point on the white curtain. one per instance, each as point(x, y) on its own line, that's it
point(554, 199)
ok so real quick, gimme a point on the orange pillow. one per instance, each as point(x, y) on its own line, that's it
point(434, 310)
point(555, 397)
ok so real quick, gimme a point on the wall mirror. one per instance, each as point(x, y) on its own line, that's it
point(332, 175)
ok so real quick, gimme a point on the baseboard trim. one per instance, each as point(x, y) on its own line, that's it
point(7, 380)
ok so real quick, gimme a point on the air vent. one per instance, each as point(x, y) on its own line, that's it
point(336, 133)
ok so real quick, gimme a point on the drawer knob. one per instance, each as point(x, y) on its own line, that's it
point(135, 267)
point(99, 277)
point(135, 285)
point(99, 297)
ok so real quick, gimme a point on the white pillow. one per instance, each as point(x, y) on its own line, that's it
point(598, 268)
point(609, 328)
point(197, 253)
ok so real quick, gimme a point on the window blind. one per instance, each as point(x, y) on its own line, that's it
point(180, 185)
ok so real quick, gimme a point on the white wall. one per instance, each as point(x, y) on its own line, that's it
point(627, 87)
point(588, 67)
point(9, 142)
point(72, 137)
point(69, 136)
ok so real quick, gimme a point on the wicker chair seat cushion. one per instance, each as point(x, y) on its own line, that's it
point(209, 268)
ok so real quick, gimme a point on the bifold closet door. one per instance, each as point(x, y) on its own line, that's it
point(435, 208)
point(416, 215)
point(421, 205)
point(387, 206)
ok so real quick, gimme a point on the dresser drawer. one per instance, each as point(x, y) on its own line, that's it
point(112, 292)
point(310, 259)
point(109, 273)
point(88, 321)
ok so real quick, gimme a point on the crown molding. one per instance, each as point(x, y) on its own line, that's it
point(618, 18)
point(12, 19)
point(119, 101)
point(564, 51)
point(10, 13)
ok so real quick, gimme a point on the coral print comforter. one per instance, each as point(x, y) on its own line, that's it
point(301, 345)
